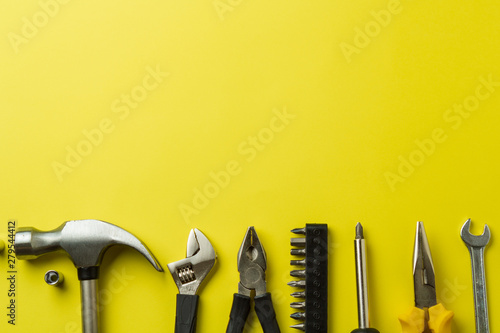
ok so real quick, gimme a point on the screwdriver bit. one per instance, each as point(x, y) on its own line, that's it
point(301, 262)
point(298, 305)
point(299, 231)
point(298, 315)
point(298, 252)
point(298, 241)
point(298, 273)
point(299, 294)
point(300, 327)
point(297, 284)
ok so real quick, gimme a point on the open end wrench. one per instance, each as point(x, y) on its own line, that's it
point(476, 246)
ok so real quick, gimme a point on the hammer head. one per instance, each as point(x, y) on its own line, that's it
point(85, 241)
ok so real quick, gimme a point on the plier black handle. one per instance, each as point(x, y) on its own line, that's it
point(263, 308)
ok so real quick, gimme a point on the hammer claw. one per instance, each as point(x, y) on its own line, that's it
point(124, 237)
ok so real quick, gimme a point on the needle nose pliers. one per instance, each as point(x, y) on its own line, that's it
point(427, 316)
point(252, 264)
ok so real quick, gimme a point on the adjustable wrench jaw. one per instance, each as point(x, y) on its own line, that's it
point(189, 273)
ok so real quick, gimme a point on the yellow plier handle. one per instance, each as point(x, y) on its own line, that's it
point(439, 320)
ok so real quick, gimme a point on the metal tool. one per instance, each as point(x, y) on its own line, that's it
point(427, 316)
point(476, 246)
point(85, 241)
point(313, 278)
point(252, 264)
point(362, 285)
point(188, 275)
point(53, 278)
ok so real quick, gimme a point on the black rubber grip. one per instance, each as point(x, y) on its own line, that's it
point(88, 273)
point(239, 314)
point(265, 312)
point(186, 313)
point(365, 330)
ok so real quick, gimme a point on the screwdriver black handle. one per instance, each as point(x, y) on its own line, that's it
point(265, 312)
point(186, 313)
point(365, 330)
point(239, 313)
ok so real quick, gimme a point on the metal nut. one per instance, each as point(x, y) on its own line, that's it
point(53, 278)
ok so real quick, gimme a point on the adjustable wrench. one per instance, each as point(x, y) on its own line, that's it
point(476, 246)
point(188, 274)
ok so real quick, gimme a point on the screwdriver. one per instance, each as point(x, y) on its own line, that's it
point(360, 254)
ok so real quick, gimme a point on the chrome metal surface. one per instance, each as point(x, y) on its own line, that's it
point(299, 231)
point(85, 241)
point(362, 286)
point(300, 327)
point(424, 280)
point(252, 265)
point(476, 246)
point(301, 273)
point(189, 273)
point(300, 242)
point(298, 294)
point(53, 278)
point(90, 306)
point(298, 305)
point(297, 284)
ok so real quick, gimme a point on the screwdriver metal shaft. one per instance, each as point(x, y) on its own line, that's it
point(362, 286)
point(360, 253)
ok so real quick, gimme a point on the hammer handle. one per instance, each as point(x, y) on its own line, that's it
point(90, 311)
point(186, 313)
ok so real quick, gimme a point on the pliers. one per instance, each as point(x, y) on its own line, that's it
point(252, 264)
point(188, 274)
point(427, 316)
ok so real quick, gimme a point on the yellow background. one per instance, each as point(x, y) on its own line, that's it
point(228, 71)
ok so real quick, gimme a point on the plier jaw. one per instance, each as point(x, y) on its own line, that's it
point(424, 279)
point(252, 264)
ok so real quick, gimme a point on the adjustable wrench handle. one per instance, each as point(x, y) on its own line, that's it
point(186, 313)
point(90, 310)
point(479, 283)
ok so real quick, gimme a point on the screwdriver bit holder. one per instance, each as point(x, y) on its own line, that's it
point(313, 278)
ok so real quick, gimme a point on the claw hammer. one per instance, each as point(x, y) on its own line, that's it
point(85, 242)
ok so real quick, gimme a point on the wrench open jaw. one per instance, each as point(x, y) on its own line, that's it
point(472, 240)
point(200, 258)
point(476, 246)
